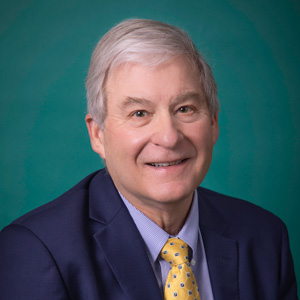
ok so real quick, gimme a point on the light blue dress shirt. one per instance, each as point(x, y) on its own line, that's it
point(155, 238)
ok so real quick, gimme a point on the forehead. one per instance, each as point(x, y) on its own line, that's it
point(170, 78)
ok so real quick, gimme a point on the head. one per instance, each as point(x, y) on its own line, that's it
point(146, 42)
point(153, 112)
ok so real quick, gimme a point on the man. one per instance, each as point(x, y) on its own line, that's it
point(153, 118)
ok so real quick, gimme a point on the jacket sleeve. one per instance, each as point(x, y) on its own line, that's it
point(288, 283)
point(27, 269)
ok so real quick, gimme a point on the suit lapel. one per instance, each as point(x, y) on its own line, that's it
point(221, 251)
point(121, 242)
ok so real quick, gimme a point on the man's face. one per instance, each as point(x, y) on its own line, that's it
point(158, 134)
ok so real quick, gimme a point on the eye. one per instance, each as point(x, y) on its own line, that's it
point(185, 109)
point(140, 113)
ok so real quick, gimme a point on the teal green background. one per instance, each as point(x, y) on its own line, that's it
point(252, 46)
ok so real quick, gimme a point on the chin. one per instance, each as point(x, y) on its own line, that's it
point(172, 193)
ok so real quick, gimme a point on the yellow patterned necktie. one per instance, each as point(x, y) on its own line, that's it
point(181, 283)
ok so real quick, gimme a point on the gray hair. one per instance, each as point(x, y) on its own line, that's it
point(146, 42)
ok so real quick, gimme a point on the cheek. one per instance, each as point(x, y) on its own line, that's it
point(125, 144)
point(136, 138)
point(201, 137)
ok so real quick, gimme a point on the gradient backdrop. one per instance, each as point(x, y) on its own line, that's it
point(252, 46)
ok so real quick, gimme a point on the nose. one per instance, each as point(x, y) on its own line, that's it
point(166, 132)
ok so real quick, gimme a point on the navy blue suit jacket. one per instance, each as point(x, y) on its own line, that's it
point(84, 245)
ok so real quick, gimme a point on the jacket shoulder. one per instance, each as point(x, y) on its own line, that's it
point(62, 206)
point(241, 215)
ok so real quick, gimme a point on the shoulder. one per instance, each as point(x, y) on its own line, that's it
point(261, 240)
point(38, 249)
point(43, 240)
point(232, 206)
point(242, 218)
point(62, 206)
point(49, 222)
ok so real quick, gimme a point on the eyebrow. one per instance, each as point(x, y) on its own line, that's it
point(180, 98)
point(133, 100)
point(189, 95)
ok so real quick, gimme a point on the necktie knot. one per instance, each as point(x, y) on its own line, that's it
point(175, 252)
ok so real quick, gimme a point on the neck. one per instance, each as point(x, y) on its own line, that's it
point(169, 216)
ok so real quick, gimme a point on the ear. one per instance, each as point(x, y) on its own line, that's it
point(96, 135)
point(215, 127)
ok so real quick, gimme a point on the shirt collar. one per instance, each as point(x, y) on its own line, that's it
point(155, 237)
point(190, 230)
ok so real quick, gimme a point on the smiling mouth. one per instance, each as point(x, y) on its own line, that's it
point(167, 164)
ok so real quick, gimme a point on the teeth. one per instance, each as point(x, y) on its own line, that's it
point(166, 164)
